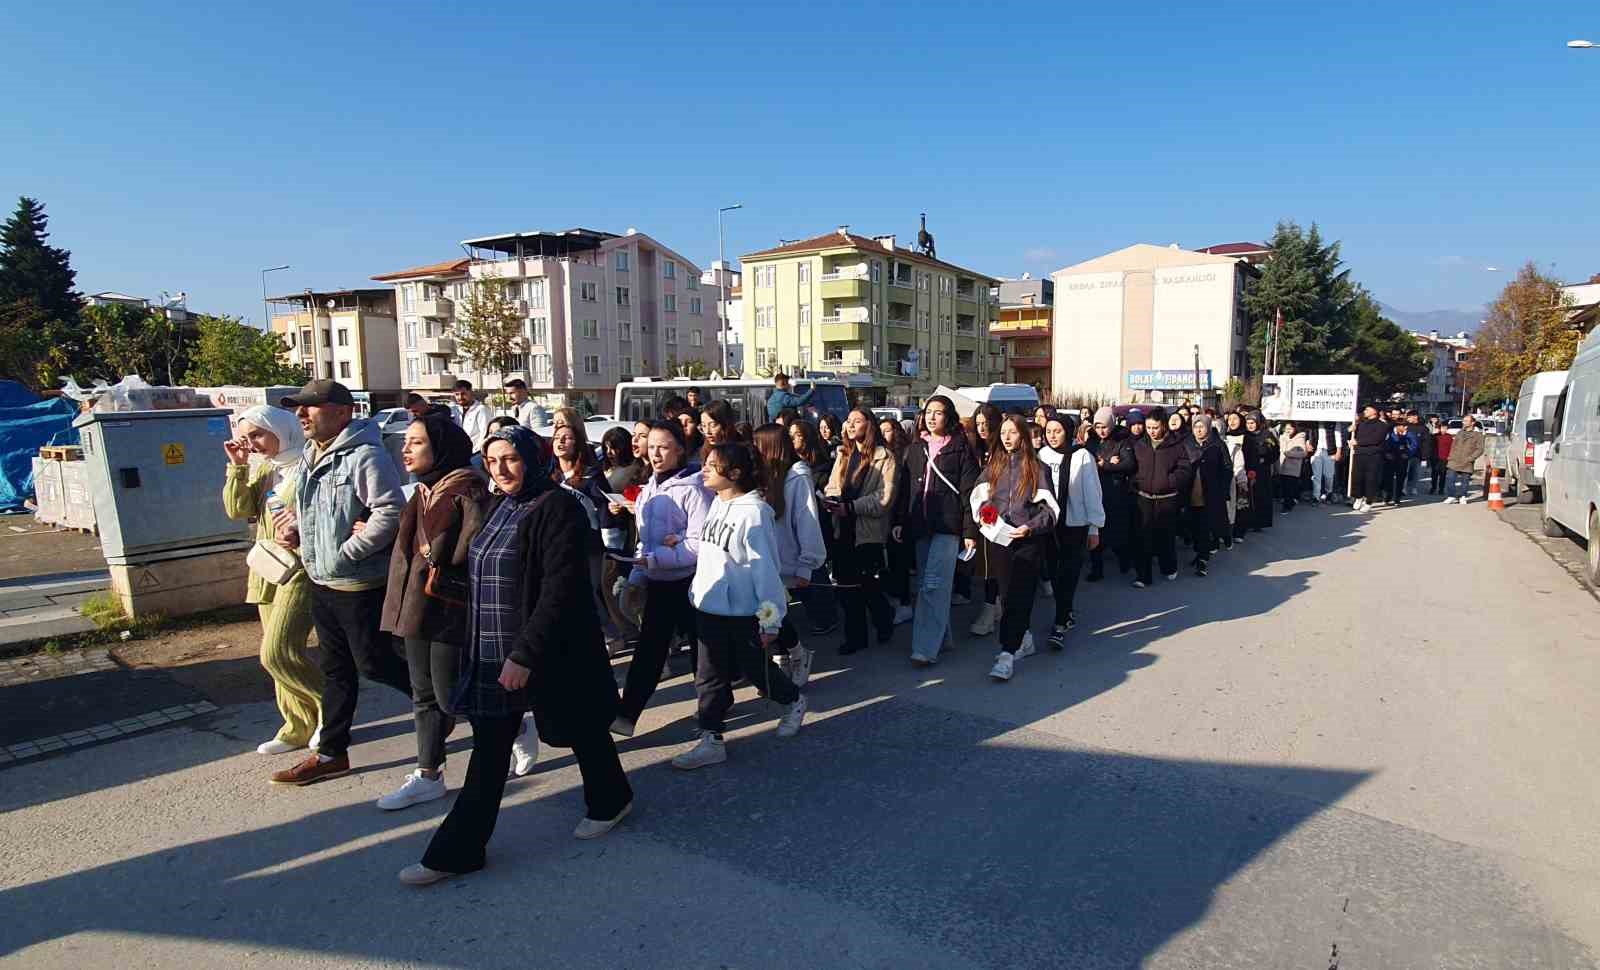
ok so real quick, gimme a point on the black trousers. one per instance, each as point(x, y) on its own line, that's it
point(1072, 549)
point(1200, 533)
point(459, 844)
point(1394, 485)
point(1019, 566)
point(899, 558)
point(859, 571)
point(1288, 490)
point(1261, 500)
point(667, 611)
point(1369, 473)
point(433, 676)
point(1156, 536)
point(730, 645)
point(352, 647)
point(1436, 468)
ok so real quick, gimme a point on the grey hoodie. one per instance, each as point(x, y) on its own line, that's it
point(351, 480)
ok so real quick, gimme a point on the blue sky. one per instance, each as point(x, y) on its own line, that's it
point(183, 146)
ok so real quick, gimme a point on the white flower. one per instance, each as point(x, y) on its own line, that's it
point(767, 614)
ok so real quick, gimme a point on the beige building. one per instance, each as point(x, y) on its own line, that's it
point(348, 335)
point(890, 320)
point(598, 308)
point(1127, 324)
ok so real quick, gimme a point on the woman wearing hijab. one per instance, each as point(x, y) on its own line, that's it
point(1261, 460)
point(1076, 486)
point(986, 422)
point(1112, 451)
point(284, 601)
point(425, 602)
point(1240, 447)
point(1210, 495)
point(533, 642)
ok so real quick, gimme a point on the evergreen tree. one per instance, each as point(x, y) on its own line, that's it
point(1306, 281)
point(36, 281)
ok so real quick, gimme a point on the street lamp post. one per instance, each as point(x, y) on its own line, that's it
point(266, 318)
point(722, 286)
point(1581, 45)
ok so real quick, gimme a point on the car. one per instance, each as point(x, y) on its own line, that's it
point(1453, 426)
point(1526, 457)
point(1009, 398)
point(1572, 470)
point(392, 420)
point(895, 413)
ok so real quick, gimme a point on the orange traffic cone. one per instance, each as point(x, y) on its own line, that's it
point(1496, 503)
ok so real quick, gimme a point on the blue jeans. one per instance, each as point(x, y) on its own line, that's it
point(936, 570)
point(1413, 474)
point(1456, 484)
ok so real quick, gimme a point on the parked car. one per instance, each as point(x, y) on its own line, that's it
point(1527, 457)
point(1009, 398)
point(1572, 470)
point(393, 420)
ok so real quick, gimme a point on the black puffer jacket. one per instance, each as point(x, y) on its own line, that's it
point(1164, 468)
point(932, 508)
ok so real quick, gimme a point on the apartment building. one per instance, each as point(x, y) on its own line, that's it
point(348, 335)
point(597, 307)
point(1441, 391)
point(893, 322)
point(1131, 323)
point(1022, 325)
point(721, 278)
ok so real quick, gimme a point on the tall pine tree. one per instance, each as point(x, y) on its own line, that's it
point(37, 283)
point(1306, 281)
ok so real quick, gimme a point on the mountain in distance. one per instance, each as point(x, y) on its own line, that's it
point(1444, 321)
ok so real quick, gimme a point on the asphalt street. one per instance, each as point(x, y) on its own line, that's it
point(1363, 741)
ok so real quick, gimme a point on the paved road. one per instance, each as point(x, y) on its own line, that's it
point(1350, 747)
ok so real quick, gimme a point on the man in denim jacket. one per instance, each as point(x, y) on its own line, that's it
point(347, 510)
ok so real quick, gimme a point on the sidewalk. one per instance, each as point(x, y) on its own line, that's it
point(39, 607)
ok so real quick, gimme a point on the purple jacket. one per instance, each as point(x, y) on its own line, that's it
point(675, 507)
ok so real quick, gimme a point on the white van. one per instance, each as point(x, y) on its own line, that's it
point(1009, 398)
point(1527, 457)
point(1572, 473)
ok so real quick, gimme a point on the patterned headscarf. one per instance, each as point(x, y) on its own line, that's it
point(537, 459)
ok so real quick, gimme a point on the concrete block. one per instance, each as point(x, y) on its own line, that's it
point(178, 587)
point(42, 624)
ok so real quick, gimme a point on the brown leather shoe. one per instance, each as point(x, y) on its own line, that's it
point(313, 769)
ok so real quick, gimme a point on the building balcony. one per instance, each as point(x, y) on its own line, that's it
point(437, 309)
point(834, 332)
point(437, 346)
point(1031, 361)
point(441, 381)
point(846, 314)
point(496, 269)
point(518, 307)
point(837, 287)
point(904, 284)
point(851, 364)
point(967, 304)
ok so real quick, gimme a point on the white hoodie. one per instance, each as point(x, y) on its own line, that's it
point(737, 572)
point(799, 536)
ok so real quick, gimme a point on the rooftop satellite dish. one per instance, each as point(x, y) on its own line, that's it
point(330, 304)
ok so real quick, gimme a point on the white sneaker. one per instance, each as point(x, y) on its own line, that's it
point(904, 614)
point(524, 752)
point(984, 624)
point(1002, 666)
point(418, 788)
point(1024, 649)
point(1449, 501)
point(316, 738)
point(277, 747)
point(418, 874)
point(1046, 590)
point(1171, 577)
point(789, 724)
point(1462, 500)
point(710, 751)
point(593, 828)
point(799, 664)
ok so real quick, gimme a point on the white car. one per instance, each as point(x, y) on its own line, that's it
point(1572, 471)
point(392, 420)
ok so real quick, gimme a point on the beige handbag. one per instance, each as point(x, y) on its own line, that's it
point(272, 562)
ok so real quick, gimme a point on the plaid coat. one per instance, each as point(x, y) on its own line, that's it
point(532, 602)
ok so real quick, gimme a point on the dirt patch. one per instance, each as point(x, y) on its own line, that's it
point(219, 660)
point(30, 549)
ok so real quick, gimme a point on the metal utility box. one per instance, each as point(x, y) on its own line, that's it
point(79, 495)
point(156, 480)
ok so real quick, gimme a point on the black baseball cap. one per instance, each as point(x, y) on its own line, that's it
point(319, 392)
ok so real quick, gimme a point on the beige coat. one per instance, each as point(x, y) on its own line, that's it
point(874, 504)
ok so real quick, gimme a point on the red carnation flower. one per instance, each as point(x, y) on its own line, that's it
point(988, 514)
point(631, 493)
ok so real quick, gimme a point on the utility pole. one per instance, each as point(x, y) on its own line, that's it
point(722, 286)
point(1199, 394)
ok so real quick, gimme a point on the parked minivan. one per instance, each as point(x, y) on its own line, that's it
point(1572, 472)
point(1526, 456)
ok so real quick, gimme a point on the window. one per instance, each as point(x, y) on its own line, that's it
point(946, 285)
point(589, 329)
point(805, 356)
point(805, 274)
point(327, 338)
point(625, 366)
point(764, 318)
point(536, 294)
point(805, 314)
point(305, 341)
point(695, 306)
point(591, 363)
point(588, 292)
point(944, 360)
point(877, 271)
point(670, 270)
point(541, 367)
point(344, 368)
point(411, 335)
point(327, 371)
point(624, 296)
point(288, 339)
point(964, 360)
point(671, 334)
point(1238, 364)
point(944, 323)
point(622, 261)
point(694, 281)
point(539, 331)
point(924, 320)
point(669, 303)
point(766, 356)
point(696, 338)
point(922, 281)
point(411, 371)
point(408, 294)
point(625, 330)
point(766, 276)
point(344, 337)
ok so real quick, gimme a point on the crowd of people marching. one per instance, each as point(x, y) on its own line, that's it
point(521, 564)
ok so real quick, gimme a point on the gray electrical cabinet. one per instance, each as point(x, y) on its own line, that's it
point(156, 480)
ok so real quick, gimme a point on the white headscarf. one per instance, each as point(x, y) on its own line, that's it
point(283, 423)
